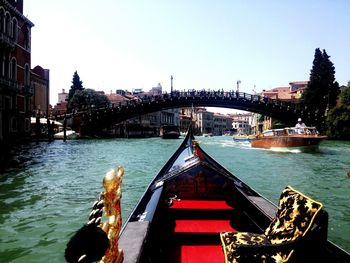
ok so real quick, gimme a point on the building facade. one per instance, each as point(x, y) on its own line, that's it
point(40, 82)
point(204, 121)
point(222, 123)
point(15, 63)
point(146, 125)
point(242, 122)
point(292, 93)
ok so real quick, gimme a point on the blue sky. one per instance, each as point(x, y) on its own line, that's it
point(204, 44)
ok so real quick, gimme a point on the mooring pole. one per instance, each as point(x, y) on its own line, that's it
point(64, 128)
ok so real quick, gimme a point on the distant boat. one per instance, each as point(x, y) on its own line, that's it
point(70, 134)
point(244, 138)
point(170, 132)
point(230, 132)
point(305, 137)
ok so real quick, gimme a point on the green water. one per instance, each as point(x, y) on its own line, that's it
point(49, 197)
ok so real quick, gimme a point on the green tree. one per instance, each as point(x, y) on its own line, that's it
point(338, 119)
point(345, 96)
point(338, 123)
point(77, 85)
point(322, 90)
point(88, 98)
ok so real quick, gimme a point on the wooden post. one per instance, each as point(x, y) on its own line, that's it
point(37, 126)
point(64, 128)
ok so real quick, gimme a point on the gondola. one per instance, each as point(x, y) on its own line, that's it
point(194, 210)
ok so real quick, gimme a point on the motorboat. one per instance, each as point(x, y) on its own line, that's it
point(292, 137)
point(170, 132)
point(70, 134)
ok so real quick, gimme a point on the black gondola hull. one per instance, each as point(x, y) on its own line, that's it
point(191, 200)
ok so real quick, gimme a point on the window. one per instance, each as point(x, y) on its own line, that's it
point(25, 33)
point(13, 72)
point(7, 103)
point(20, 103)
point(2, 65)
point(14, 124)
point(14, 29)
point(8, 24)
point(2, 20)
point(26, 75)
point(27, 125)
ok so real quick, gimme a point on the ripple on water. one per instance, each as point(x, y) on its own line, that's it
point(43, 203)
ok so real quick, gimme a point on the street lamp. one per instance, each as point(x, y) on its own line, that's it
point(238, 82)
point(171, 87)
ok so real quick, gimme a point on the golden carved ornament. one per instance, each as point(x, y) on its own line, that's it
point(111, 196)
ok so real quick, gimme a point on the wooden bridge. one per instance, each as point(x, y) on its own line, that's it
point(112, 114)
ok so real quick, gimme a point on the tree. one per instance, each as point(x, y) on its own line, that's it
point(338, 122)
point(322, 90)
point(88, 98)
point(345, 95)
point(338, 119)
point(77, 85)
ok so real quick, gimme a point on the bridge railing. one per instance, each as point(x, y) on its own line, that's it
point(193, 94)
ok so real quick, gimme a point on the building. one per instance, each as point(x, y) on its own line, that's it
point(297, 88)
point(242, 122)
point(281, 93)
point(291, 93)
point(204, 121)
point(187, 118)
point(62, 96)
point(61, 105)
point(156, 90)
point(146, 125)
point(222, 123)
point(40, 81)
point(15, 77)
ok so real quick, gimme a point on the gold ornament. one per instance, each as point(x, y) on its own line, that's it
point(111, 196)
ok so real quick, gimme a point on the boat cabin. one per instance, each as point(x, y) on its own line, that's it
point(291, 131)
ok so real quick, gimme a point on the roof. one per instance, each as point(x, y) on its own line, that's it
point(282, 93)
point(301, 83)
point(116, 98)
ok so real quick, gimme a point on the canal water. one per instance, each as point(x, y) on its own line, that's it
point(43, 202)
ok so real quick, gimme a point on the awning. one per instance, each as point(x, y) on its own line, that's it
point(44, 121)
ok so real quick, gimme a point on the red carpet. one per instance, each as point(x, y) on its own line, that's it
point(200, 205)
point(202, 254)
point(203, 226)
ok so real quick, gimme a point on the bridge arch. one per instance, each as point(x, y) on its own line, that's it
point(278, 109)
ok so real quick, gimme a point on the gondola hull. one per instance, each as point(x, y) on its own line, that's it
point(189, 203)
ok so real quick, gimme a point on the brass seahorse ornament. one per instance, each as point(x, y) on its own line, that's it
point(111, 196)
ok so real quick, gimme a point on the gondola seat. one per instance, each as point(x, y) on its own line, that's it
point(300, 224)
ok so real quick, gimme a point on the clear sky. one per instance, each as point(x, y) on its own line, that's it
point(129, 44)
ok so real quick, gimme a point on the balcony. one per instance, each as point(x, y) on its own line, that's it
point(9, 85)
point(28, 90)
point(7, 41)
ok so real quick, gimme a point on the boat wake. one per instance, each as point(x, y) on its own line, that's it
point(227, 143)
point(284, 150)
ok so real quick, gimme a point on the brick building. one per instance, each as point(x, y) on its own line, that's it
point(40, 82)
point(15, 89)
